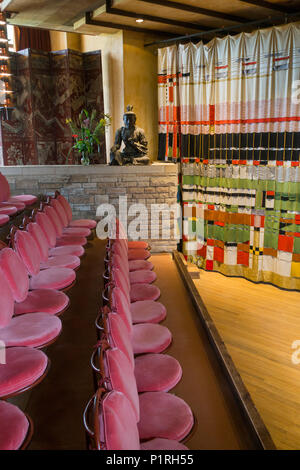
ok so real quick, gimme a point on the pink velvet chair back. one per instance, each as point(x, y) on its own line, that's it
point(6, 301)
point(121, 234)
point(28, 251)
point(119, 304)
point(60, 212)
point(118, 336)
point(51, 213)
point(4, 189)
point(110, 422)
point(119, 262)
point(15, 273)
point(66, 207)
point(39, 237)
point(118, 371)
point(120, 428)
point(121, 281)
point(119, 247)
point(47, 226)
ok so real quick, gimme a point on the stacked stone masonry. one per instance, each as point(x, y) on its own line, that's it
point(86, 187)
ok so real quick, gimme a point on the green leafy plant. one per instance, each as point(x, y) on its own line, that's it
point(87, 132)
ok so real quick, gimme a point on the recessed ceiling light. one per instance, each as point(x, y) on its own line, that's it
point(140, 20)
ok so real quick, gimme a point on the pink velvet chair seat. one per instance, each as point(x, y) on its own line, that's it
point(34, 330)
point(24, 366)
point(14, 426)
point(156, 372)
point(43, 300)
point(143, 292)
point(3, 219)
point(52, 278)
point(77, 231)
point(8, 210)
point(137, 265)
point(17, 205)
point(147, 311)
point(138, 254)
point(150, 338)
point(89, 223)
point(142, 277)
point(74, 250)
point(164, 415)
point(64, 261)
point(137, 244)
point(27, 199)
point(71, 240)
point(162, 444)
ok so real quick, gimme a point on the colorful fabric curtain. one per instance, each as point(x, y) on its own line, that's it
point(230, 112)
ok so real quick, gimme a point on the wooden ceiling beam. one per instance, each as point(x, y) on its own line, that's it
point(105, 24)
point(271, 6)
point(158, 19)
point(198, 10)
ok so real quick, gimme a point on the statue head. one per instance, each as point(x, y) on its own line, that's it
point(129, 117)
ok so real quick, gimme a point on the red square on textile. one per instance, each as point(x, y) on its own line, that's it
point(219, 254)
point(285, 243)
point(209, 265)
point(210, 242)
point(243, 258)
point(202, 251)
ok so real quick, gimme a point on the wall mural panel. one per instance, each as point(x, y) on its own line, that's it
point(48, 89)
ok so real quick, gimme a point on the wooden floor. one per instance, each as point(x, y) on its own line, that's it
point(258, 324)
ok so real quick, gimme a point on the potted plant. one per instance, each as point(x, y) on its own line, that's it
point(87, 133)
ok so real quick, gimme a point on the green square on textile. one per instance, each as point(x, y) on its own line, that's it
point(187, 179)
point(297, 245)
point(218, 232)
point(258, 199)
point(270, 185)
point(236, 233)
point(270, 239)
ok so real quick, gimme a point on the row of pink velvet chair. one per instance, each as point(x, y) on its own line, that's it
point(11, 205)
point(34, 270)
point(132, 408)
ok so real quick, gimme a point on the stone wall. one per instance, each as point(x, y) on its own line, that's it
point(86, 187)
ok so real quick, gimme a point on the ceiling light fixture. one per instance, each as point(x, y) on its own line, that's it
point(140, 20)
